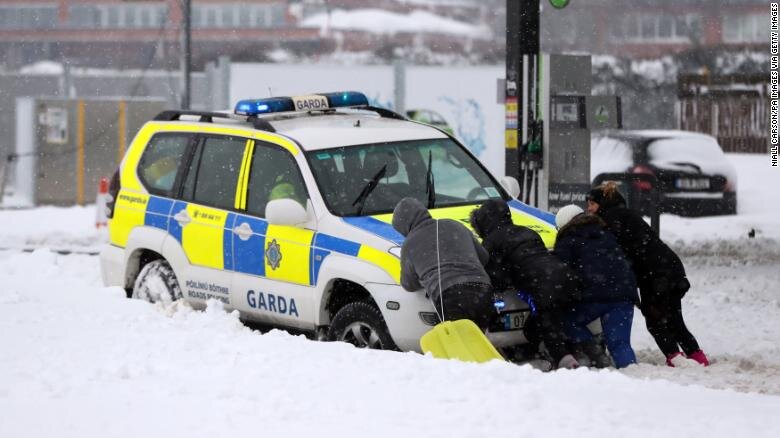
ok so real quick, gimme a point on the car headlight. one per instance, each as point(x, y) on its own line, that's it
point(396, 251)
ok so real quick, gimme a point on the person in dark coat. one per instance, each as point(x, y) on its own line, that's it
point(608, 285)
point(518, 257)
point(659, 272)
point(443, 255)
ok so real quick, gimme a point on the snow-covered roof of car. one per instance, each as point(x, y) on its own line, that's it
point(651, 134)
point(319, 129)
point(322, 131)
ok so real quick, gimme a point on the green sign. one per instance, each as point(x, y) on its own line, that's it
point(559, 4)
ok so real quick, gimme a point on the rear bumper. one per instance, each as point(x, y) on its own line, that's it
point(692, 205)
point(112, 269)
point(700, 206)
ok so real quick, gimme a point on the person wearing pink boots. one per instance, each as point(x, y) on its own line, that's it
point(660, 275)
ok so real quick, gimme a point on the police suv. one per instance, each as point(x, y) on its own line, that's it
point(282, 210)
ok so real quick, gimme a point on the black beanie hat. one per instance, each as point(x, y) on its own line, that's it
point(606, 196)
point(596, 195)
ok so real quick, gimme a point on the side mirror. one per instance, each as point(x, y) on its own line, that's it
point(285, 212)
point(511, 185)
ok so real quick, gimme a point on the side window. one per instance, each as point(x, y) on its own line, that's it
point(159, 163)
point(213, 174)
point(274, 175)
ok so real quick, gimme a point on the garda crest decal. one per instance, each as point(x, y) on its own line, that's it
point(273, 254)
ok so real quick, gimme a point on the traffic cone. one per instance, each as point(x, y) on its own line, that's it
point(101, 204)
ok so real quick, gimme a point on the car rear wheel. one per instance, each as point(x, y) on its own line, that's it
point(156, 283)
point(362, 325)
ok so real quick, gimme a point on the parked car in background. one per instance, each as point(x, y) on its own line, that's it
point(429, 117)
point(695, 178)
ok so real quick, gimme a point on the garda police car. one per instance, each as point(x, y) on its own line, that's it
point(282, 211)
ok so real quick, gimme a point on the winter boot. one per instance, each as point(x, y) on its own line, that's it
point(699, 356)
point(597, 354)
point(543, 365)
point(678, 360)
point(579, 354)
point(568, 362)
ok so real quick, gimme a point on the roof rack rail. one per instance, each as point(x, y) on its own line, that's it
point(383, 112)
point(209, 116)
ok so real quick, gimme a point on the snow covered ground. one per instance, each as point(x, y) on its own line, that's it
point(78, 359)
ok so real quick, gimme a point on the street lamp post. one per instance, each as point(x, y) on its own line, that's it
point(186, 52)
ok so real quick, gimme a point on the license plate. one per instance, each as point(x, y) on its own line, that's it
point(514, 320)
point(692, 183)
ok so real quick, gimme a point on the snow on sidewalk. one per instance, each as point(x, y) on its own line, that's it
point(60, 228)
point(80, 360)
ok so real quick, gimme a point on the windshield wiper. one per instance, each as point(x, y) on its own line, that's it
point(367, 189)
point(430, 189)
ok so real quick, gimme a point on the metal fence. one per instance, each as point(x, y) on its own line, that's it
point(733, 108)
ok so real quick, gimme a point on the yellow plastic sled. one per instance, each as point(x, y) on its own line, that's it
point(461, 340)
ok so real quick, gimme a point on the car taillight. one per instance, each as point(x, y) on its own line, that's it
point(113, 191)
point(643, 185)
point(729, 186)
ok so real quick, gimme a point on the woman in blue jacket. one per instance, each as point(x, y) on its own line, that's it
point(609, 288)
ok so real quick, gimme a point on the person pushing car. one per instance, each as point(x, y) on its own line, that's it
point(444, 258)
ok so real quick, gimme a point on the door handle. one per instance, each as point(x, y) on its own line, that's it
point(243, 231)
point(182, 217)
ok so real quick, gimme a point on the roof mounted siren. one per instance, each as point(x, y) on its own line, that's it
point(312, 102)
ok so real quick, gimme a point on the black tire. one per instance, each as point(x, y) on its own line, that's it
point(157, 283)
point(362, 325)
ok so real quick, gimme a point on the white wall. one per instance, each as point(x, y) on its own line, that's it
point(24, 177)
point(465, 96)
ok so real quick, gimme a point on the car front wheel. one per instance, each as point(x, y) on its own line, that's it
point(362, 325)
point(157, 283)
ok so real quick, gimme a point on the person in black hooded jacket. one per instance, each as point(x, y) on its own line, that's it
point(659, 272)
point(518, 256)
point(608, 285)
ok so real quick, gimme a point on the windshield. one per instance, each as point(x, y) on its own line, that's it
point(685, 149)
point(345, 176)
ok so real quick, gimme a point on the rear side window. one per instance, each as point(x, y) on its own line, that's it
point(159, 165)
point(213, 173)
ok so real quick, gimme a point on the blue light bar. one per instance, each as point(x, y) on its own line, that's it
point(253, 107)
point(345, 98)
point(314, 102)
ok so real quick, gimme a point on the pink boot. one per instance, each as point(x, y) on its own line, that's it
point(699, 356)
point(670, 358)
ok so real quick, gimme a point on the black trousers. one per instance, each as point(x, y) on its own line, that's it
point(472, 301)
point(664, 319)
point(548, 326)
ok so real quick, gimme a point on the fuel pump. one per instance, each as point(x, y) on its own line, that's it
point(531, 162)
point(564, 85)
